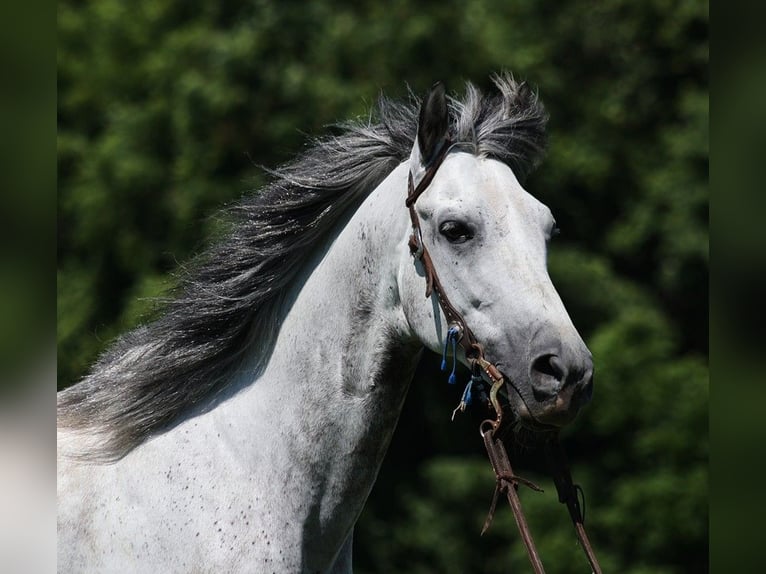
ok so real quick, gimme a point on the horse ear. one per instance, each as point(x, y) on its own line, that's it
point(433, 124)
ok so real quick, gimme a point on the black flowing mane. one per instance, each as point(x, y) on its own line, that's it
point(230, 298)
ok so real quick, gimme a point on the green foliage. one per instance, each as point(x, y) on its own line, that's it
point(164, 107)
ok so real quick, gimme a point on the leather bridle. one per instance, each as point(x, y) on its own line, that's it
point(506, 481)
point(474, 352)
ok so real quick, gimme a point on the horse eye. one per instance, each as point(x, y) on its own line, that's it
point(455, 232)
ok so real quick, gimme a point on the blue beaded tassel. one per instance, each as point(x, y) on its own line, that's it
point(452, 335)
point(467, 397)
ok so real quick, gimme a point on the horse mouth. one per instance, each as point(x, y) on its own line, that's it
point(539, 416)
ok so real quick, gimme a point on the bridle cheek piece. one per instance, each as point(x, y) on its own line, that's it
point(460, 334)
point(474, 352)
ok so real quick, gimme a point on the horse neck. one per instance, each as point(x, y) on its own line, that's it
point(326, 405)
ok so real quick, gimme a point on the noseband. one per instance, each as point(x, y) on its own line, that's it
point(460, 333)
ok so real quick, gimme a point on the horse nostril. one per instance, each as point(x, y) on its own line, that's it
point(549, 365)
point(547, 375)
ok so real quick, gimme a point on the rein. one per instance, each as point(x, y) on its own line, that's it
point(460, 334)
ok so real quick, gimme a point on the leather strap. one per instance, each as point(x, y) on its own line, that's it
point(507, 482)
point(419, 250)
point(567, 491)
point(474, 352)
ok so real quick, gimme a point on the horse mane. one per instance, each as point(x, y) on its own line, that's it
point(230, 298)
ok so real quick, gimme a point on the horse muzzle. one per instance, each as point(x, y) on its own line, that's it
point(558, 387)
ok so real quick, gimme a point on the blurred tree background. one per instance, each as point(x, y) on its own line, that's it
point(165, 107)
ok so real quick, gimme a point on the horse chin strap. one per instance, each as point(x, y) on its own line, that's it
point(506, 481)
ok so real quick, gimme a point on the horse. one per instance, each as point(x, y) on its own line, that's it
point(244, 427)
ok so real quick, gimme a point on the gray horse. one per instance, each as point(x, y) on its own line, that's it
point(244, 429)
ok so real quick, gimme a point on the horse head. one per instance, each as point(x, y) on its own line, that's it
point(487, 238)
